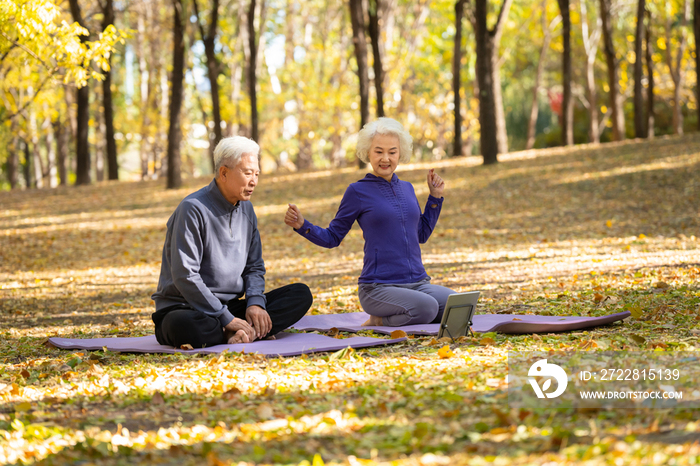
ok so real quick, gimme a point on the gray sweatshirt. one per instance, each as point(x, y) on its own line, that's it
point(212, 254)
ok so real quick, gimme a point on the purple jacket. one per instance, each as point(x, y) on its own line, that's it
point(392, 225)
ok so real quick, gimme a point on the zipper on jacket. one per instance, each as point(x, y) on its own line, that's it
point(405, 235)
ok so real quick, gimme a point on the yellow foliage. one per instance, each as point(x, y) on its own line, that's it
point(39, 45)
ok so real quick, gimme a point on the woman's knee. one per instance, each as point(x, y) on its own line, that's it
point(425, 308)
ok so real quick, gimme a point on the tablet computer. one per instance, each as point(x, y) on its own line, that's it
point(457, 318)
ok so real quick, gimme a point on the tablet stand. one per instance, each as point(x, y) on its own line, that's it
point(469, 322)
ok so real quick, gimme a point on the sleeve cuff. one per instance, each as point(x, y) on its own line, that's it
point(226, 317)
point(256, 301)
point(434, 202)
point(305, 228)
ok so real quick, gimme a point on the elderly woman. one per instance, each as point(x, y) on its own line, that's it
point(394, 288)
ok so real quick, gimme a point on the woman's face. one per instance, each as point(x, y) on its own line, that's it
point(384, 155)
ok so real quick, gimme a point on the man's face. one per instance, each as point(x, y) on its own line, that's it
point(238, 183)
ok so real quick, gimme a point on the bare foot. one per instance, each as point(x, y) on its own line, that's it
point(239, 337)
point(373, 321)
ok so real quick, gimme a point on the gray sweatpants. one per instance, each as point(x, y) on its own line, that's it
point(404, 304)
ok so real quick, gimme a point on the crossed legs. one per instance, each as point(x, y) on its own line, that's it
point(184, 325)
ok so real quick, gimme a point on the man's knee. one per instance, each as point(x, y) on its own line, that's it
point(301, 292)
point(187, 326)
point(176, 326)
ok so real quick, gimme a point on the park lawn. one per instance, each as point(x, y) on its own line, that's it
point(588, 230)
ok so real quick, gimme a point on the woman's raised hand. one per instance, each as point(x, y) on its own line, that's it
point(435, 183)
point(293, 217)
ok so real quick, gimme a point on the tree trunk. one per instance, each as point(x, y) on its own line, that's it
point(592, 95)
point(27, 172)
point(639, 110)
point(501, 132)
point(99, 139)
point(696, 33)
point(676, 69)
point(567, 105)
point(374, 34)
point(70, 129)
point(160, 105)
point(456, 74)
point(209, 40)
point(82, 148)
point(534, 108)
point(289, 32)
point(252, 75)
point(487, 106)
point(200, 103)
point(490, 100)
point(61, 151)
point(13, 157)
point(110, 143)
point(650, 74)
point(159, 150)
point(49, 138)
point(146, 88)
point(37, 163)
point(176, 86)
point(359, 41)
point(615, 99)
point(590, 43)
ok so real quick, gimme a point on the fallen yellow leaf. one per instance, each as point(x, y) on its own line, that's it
point(23, 407)
point(445, 352)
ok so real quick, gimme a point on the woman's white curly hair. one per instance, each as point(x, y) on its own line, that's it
point(384, 125)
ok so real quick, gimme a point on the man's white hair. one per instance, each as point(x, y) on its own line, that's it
point(229, 151)
point(384, 125)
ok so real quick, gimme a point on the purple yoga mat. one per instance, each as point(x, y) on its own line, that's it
point(286, 344)
point(503, 323)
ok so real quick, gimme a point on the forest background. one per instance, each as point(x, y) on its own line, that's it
point(166, 79)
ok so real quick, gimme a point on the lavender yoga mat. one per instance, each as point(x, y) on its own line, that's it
point(286, 344)
point(503, 323)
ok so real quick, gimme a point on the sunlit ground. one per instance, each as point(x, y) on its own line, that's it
point(585, 231)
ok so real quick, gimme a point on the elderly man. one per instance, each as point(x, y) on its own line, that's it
point(213, 255)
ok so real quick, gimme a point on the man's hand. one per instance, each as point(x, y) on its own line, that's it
point(259, 319)
point(436, 185)
point(293, 217)
point(239, 331)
